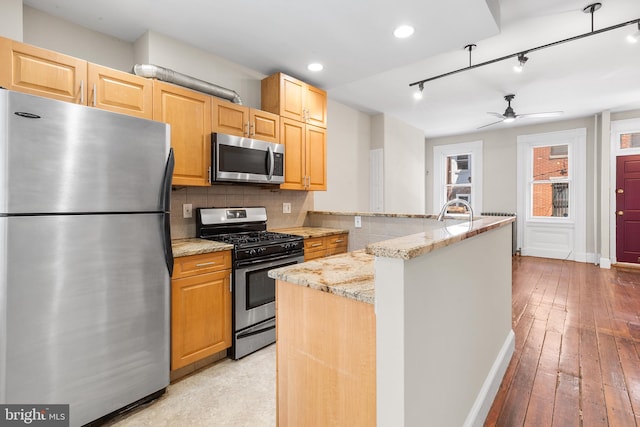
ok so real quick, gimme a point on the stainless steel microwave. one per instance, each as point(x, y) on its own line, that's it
point(238, 159)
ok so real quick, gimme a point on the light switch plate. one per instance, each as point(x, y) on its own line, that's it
point(358, 221)
point(187, 210)
point(286, 208)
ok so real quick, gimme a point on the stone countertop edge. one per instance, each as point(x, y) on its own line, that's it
point(414, 245)
point(347, 275)
point(310, 232)
point(379, 214)
point(195, 246)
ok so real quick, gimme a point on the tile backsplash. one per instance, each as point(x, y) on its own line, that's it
point(238, 196)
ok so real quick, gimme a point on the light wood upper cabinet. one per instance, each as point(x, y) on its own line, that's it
point(305, 156)
point(189, 114)
point(238, 120)
point(29, 69)
point(120, 92)
point(200, 307)
point(294, 99)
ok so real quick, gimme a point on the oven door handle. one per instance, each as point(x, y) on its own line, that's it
point(246, 263)
point(257, 330)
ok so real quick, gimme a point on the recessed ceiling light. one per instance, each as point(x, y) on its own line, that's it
point(403, 31)
point(316, 66)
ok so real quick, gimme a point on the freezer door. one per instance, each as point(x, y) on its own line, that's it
point(85, 309)
point(59, 157)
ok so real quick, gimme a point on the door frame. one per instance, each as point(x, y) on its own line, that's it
point(617, 127)
point(574, 227)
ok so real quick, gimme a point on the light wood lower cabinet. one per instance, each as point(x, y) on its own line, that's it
point(200, 307)
point(320, 247)
point(325, 364)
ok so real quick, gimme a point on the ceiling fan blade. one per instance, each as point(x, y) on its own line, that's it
point(540, 115)
point(490, 124)
point(498, 115)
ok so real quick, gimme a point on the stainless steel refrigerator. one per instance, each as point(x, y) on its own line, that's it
point(85, 256)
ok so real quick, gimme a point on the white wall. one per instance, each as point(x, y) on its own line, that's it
point(348, 136)
point(11, 19)
point(49, 32)
point(404, 167)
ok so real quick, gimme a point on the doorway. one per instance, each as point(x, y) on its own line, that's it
point(628, 209)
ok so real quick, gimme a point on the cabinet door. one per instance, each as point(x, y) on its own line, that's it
point(264, 126)
point(118, 91)
point(292, 135)
point(200, 317)
point(316, 106)
point(316, 156)
point(189, 114)
point(230, 118)
point(28, 69)
point(292, 98)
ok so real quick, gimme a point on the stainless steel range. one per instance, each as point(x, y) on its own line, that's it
point(256, 251)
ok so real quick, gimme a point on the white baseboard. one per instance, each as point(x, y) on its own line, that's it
point(605, 263)
point(482, 405)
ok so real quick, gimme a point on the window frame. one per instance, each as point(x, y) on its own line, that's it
point(440, 154)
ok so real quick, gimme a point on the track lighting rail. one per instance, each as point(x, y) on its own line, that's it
point(526, 51)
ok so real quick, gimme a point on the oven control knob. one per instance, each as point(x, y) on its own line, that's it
point(251, 251)
point(262, 250)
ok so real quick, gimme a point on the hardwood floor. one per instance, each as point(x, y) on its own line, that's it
point(577, 355)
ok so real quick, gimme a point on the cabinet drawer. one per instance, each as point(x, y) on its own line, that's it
point(200, 264)
point(314, 244)
point(337, 241)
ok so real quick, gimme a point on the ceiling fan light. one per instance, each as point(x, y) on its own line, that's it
point(509, 119)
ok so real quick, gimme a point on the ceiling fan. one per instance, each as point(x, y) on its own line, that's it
point(510, 115)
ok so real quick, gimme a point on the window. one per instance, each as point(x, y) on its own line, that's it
point(629, 140)
point(457, 175)
point(550, 181)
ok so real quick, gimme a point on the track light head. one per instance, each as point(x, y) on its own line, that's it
point(418, 94)
point(521, 61)
point(635, 37)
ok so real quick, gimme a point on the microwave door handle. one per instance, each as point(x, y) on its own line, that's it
point(270, 163)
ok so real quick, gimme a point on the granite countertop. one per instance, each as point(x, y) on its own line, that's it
point(414, 245)
point(349, 275)
point(310, 232)
point(193, 246)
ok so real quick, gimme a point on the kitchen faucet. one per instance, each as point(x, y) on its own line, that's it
point(443, 211)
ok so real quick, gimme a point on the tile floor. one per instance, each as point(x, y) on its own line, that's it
point(226, 394)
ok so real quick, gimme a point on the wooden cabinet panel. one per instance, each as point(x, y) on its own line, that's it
point(200, 264)
point(230, 118)
point(294, 99)
point(305, 156)
point(189, 114)
point(292, 135)
point(316, 156)
point(264, 126)
point(29, 69)
point(320, 247)
point(120, 92)
point(238, 120)
point(200, 317)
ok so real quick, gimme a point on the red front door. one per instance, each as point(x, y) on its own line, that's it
point(628, 209)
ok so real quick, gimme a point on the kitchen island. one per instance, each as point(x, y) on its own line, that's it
point(425, 317)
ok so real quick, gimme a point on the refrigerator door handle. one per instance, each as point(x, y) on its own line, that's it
point(166, 207)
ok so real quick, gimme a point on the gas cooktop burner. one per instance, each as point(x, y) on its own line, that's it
point(252, 237)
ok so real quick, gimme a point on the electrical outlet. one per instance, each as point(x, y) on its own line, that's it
point(358, 221)
point(286, 208)
point(187, 210)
